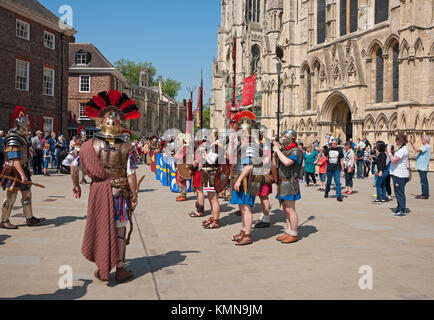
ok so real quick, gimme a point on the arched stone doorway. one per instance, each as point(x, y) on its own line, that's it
point(337, 113)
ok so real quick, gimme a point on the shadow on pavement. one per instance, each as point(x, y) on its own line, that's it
point(146, 190)
point(59, 221)
point(393, 210)
point(3, 237)
point(144, 265)
point(76, 292)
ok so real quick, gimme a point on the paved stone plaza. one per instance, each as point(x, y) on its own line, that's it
point(173, 257)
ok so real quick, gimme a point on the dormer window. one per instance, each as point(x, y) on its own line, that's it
point(82, 58)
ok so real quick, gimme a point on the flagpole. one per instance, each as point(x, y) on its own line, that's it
point(201, 98)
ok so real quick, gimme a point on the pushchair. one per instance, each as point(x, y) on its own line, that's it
point(66, 159)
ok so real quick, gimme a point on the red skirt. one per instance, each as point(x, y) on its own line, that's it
point(265, 190)
point(196, 180)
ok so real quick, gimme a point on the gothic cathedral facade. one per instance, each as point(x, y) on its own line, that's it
point(351, 68)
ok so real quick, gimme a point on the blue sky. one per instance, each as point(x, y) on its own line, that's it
point(178, 36)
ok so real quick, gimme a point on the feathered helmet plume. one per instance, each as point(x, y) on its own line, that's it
point(112, 101)
point(113, 107)
point(246, 120)
point(20, 115)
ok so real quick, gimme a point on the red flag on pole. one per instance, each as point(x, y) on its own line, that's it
point(249, 91)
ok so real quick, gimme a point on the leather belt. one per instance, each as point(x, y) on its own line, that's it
point(285, 179)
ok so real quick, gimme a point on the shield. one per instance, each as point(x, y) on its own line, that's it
point(255, 184)
point(184, 171)
point(222, 177)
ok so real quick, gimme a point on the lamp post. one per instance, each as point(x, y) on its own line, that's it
point(279, 70)
point(279, 59)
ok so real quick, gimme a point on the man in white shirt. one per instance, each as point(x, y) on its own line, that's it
point(399, 172)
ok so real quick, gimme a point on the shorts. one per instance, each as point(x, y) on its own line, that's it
point(322, 177)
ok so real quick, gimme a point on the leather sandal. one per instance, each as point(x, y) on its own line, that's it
point(206, 222)
point(245, 240)
point(214, 224)
point(239, 236)
point(7, 225)
point(196, 214)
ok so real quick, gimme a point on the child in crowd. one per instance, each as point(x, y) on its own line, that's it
point(322, 169)
point(47, 157)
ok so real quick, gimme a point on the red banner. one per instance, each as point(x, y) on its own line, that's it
point(249, 90)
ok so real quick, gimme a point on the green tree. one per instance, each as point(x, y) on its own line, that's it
point(131, 70)
point(171, 87)
point(206, 114)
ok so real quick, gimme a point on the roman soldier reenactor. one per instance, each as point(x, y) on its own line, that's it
point(244, 191)
point(109, 161)
point(183, 169)
point(16, 171)
point(210, 165)
point(288, 159)
point(267, 184)
point(196, 168)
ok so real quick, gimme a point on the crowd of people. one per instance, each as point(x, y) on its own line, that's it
point(361, 160)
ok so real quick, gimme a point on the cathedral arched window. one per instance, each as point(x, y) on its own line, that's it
point(348, 15)
point(256, 55)
point(379, 76)
point(308, 89)
point(395, 75)
point(381, 10)
point(253, 10)
point(321, 21)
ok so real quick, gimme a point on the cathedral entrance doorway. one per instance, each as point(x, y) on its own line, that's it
point(337, 112)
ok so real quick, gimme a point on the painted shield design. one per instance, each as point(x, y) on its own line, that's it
point(222, 177)
point(184, 171)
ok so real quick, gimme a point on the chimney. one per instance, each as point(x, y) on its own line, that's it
point(144, 78)
point(160, 85)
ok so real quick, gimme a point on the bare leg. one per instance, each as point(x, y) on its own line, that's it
point(200, 196)
point(291, 217)
point(215, 205)
point(246, 214)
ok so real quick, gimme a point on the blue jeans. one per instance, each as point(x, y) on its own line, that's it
point(349, 178)
point(381, 186)
point(336, 174)
point(360, 165)
point(399, 187)
point(424, 182)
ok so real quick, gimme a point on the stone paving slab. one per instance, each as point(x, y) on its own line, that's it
point(188, 262)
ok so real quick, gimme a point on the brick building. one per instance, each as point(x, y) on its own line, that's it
point(34, 68)
point(89, 73)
